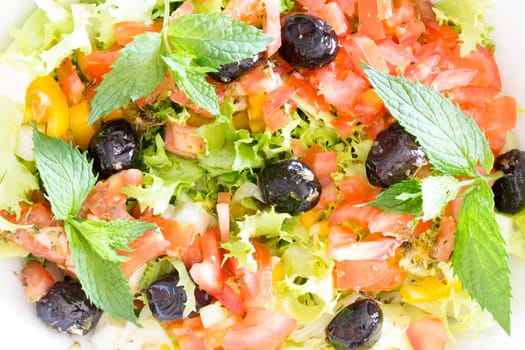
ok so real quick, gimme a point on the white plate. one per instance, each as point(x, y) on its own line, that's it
point(20, 329)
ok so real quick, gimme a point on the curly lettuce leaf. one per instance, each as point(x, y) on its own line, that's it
point(468, 17)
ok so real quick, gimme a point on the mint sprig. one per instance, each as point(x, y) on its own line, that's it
point(480, 257)
point(138, 71)
point(68, 179)
point(455, 146)
point(404, 198)
point(452, 141)
point(188, 47)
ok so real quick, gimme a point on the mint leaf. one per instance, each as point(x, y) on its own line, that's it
point(65, 173)
point(452, 141)
point(107, 236)
point(403, 197)
point(437, 192)
point(480, 258)
point(102, 280)
point(216, 40)
point(138, 70)
point(193, 83)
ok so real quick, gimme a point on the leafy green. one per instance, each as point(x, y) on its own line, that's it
point(16, 181)
point(67, 176)
point(215, 40)
point(468, 16)
point(103, 281)
point(138, 70)
point(455, 145)
point(403, 197)
point(187, 284)
point(65, 171)
point(480, 258)
point(155, 194)
point(228, 149)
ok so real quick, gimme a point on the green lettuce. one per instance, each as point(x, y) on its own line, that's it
point(468, 17)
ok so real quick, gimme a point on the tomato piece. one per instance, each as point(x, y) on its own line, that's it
point(249, 11)
point(260, 330)
point(145, 248)
point(49, 243)
point(182, 140)
point(369, 21)
point(368, 105)
point(180, 235)
point(307, 92)
point(95, 65)
point(37, 281)
point(348, 6)
point(444, 244)
point(70, 82)
point(427, 333)
point(395, 54)
point(484, 62)
point(323, 164)
point(332, 14)
point(312, 5)
point(369, 52)
point(208, 274)
point(189, 333)
point(368, 275)
point(500, 117)
point(342, 246)
point(38, 214)
point(125, 31)
point(272, 24)
point(78, 122)
point(106, 201)
point(453, 78)
point(397, 223)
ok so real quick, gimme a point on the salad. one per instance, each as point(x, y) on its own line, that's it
point(260, 174)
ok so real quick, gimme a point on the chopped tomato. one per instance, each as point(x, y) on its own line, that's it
point(427, 333)
point(397, 223)
point(249, 11)
point(145, 248)
point(96, 64)
point(36, 280)
point(444, 244)
point(37, 214)
point(368, 275)
point(208, 274)
point(369, 52)
point(180, 235)
point(106, 201)
point(342, 246)
point(306, 91)
point(125, 31)
point(369, 21)
point(260, 330)
point(273, 102)
point(312, 5)
point(189, 333)
point(452, 78)
point(272, 24)
point(70, 82)
point(182, 140)
point(500, 117)
point(49, 243)
point(333, 14)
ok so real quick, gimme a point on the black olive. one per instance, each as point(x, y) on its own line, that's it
point(167, 300)
point(290, 185)
point(509, 191)
point(66, 308)
point(114, 147)
point(356, 326)
point(394, 157)
point(308, 42)
point(231, 71)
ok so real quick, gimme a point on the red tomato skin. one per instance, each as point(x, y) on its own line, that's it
point(145, 248)
point(368, 275)
point(260, 330)
point(427, 333)
point(95, 65)
point(125, 31)
point(182, 140)
point(36, 280)
point(369, 22)
point(70, 82)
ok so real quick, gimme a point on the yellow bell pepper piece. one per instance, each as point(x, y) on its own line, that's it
point(428, 289)
point(78, 121)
